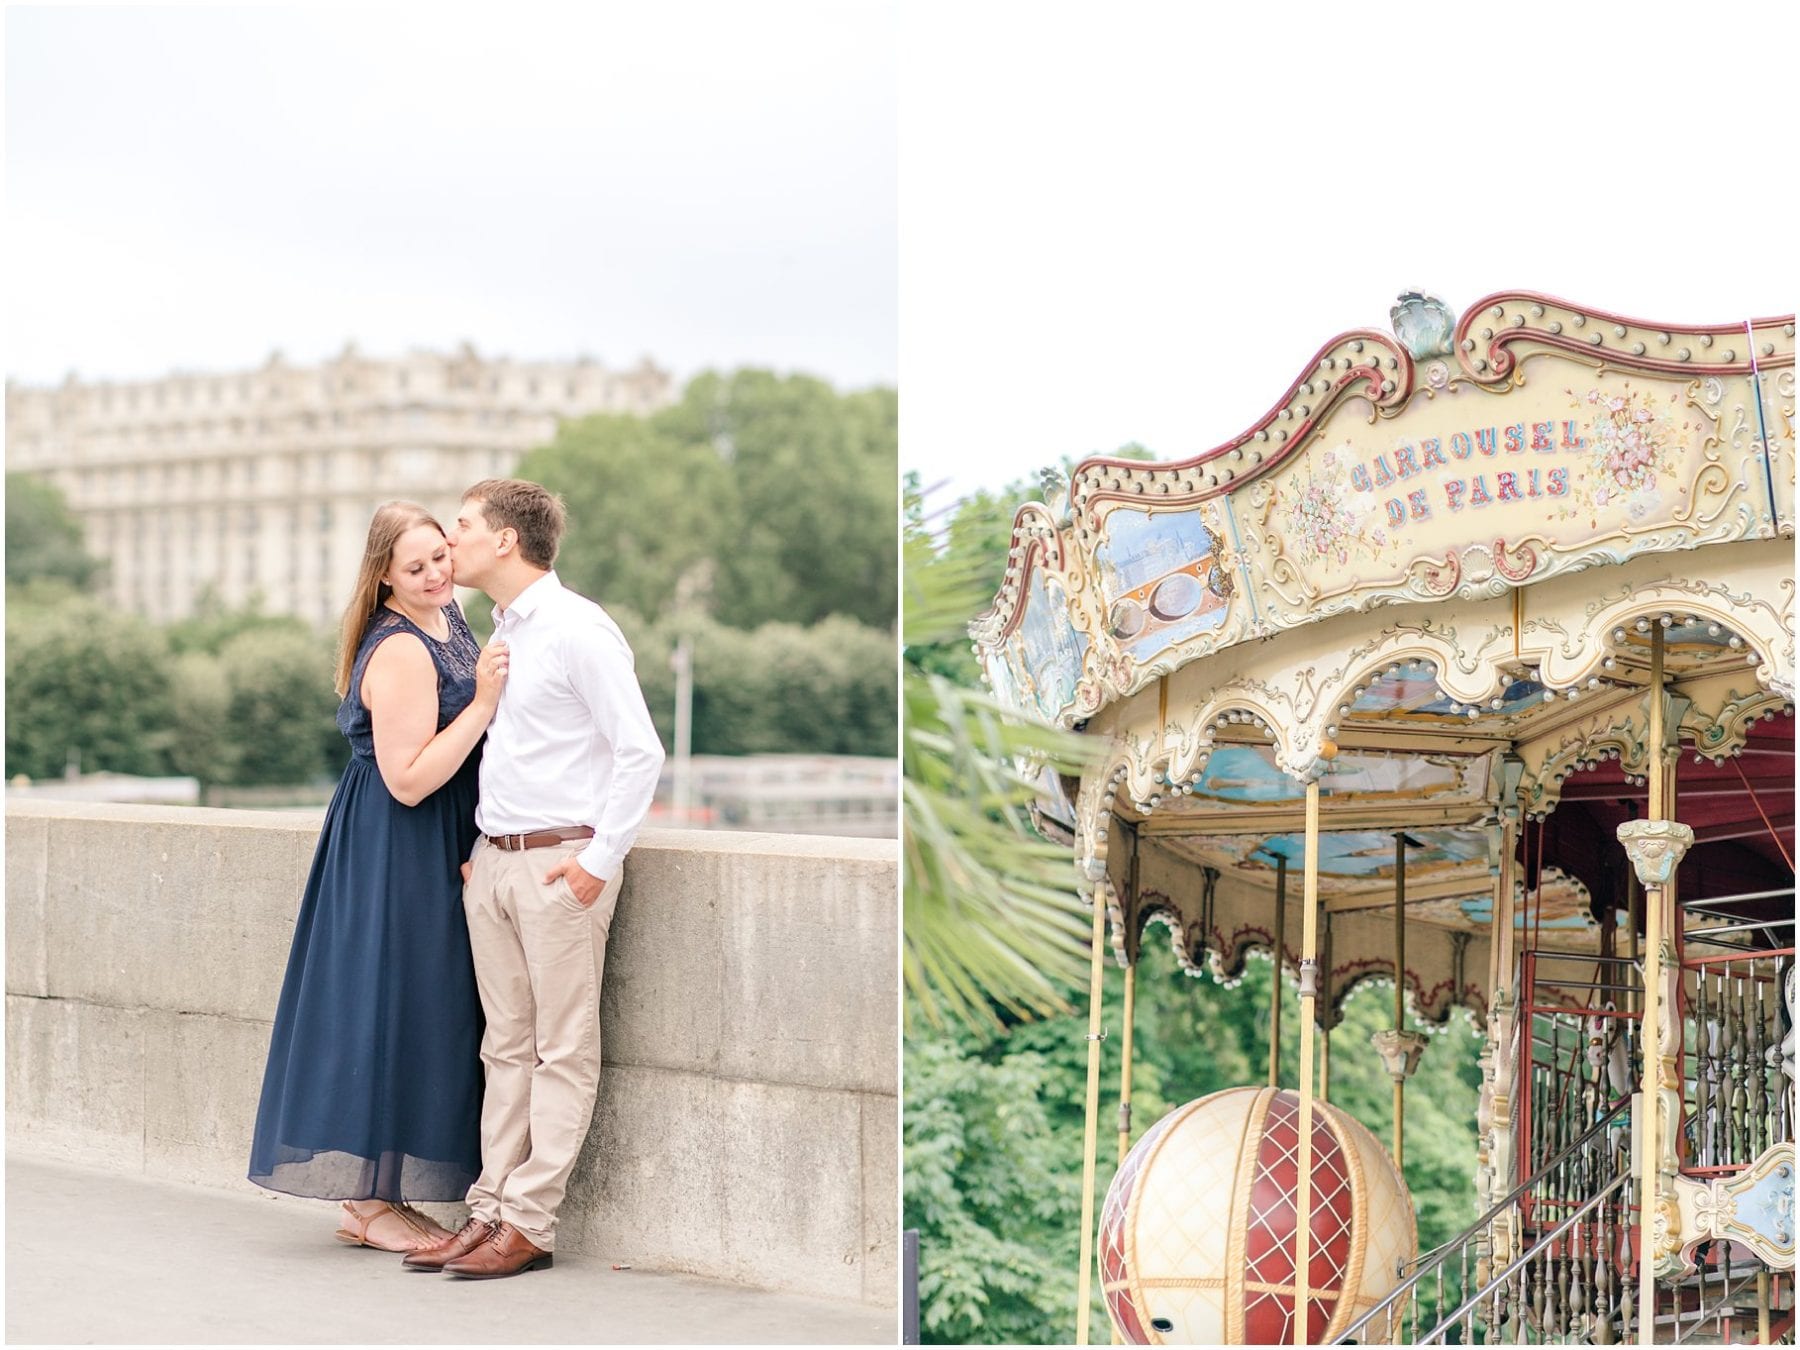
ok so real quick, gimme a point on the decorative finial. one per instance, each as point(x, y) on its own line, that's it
point(1399, 1051)
point(1054, 489)
point(1423, 323)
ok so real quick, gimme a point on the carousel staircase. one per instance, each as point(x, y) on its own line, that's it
point(1555, 1260)
point(1573, 1220)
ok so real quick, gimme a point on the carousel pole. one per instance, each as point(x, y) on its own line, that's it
point(1400, 994)
point(1125, 1041)
point(1275, 991)
point(1501, 1067)
point(1399, 1048)
point(1090, 1138)
point(1325, 1003)
point(1503, 939)
point(1634, 909)
point(1651, 1031)
point(1309, 998)
point(1125, 1081)
point(1130, 1011)
point(1125, 1063)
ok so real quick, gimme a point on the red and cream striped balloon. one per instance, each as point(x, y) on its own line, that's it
point(1197, 1233)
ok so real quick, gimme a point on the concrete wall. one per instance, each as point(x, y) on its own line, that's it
point(748, 1119)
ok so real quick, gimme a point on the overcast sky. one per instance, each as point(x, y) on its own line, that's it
point(707, 184)
point(1138, 223)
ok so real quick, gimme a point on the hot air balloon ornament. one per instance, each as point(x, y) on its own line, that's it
point(1197, 1232)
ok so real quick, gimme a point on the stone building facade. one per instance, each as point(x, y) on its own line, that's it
point(260, 483)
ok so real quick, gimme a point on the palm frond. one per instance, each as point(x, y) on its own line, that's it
point(992, 917)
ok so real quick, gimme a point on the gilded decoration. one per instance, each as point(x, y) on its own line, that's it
point(1754, 1207)
point(1655, 848)
point(1557, 440)
point(1399, 1051)
point(1475, 548)
point(1450, 693)
point(1217, 919)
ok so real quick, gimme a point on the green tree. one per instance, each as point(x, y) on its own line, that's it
point(648, 509)
point(226, 709)
point(992, 1131)
point(991, 914)
point(780, 688)
point(84, 683)
point(213, 624)
point(758, 497)
point(43, 538)
point(812, 500)
point(986, 1182)
point(280, 707)
point(204, 746)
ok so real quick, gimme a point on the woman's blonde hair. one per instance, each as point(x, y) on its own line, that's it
point(392, 519)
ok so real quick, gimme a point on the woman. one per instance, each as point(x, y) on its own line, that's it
point(372, 1093)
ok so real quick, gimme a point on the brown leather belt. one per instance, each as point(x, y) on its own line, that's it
point(541, 838)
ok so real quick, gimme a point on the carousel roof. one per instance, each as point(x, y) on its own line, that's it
point(1529, 439)
point(1429, 579)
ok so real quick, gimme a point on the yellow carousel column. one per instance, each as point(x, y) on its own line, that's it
point(1125, 1063)
point(1325, 994)
point(1309, 999)
point(1503, 1016)
point(1131, 960)
point(1399, 1048)
point(1275, 986)
point(1655, 846)
point(1090, 1140)
point(1125, 1079)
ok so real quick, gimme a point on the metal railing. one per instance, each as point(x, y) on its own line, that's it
point(1583, 1015)
point(1735, 1098)
point(1580, 1264)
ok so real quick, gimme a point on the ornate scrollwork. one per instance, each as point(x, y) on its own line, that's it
point(1754, 1207)
point(1728, 729)
point(1518, 563)
point(1438, 577)
point(1363, 363)
point(1704, 371)
point(1655, 848)
point(1035, 537)
point(1492, 336)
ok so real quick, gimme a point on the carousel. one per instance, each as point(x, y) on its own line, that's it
point(1468, 670)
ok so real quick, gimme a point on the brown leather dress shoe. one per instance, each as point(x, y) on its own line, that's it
point(460, 1243)
point(506, 1252)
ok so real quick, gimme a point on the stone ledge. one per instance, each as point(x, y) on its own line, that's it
point(747, 1125)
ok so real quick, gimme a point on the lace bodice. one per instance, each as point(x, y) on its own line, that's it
point(454, 658)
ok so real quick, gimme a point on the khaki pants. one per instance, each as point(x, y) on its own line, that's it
point(539, 959)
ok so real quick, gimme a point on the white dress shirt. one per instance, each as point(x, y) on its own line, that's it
point(571, 742)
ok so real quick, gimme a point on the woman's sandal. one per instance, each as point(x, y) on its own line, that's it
point(420, 1231)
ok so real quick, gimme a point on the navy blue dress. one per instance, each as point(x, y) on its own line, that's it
point(373, 1087)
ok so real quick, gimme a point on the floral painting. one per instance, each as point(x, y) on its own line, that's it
point(1634, 437)
point(1316, 521)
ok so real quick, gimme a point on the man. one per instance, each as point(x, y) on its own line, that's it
point(570, 767)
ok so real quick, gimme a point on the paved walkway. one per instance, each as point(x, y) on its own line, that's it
point(98, 1256)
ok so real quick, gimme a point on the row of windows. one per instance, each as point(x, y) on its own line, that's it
point(155, 433)
point(404, 468)
point(247, 391)
point(247, 520)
